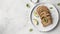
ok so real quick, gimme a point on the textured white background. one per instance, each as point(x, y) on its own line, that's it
point(14, 15)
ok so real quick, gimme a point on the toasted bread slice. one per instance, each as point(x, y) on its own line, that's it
point(45, 15)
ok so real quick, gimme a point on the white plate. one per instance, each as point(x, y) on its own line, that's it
point(54, 14)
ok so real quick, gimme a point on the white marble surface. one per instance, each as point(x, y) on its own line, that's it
point(13, 17)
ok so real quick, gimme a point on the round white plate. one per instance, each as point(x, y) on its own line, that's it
point(54, 14)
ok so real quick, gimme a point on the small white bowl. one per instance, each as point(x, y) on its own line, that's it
point(34, 1)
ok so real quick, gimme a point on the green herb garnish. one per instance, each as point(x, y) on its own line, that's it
point(35, 14)
point(51, 7)
point(27, 5)
point(36, 22)
point(45, 20)
point(31, 30)
point(58, 4)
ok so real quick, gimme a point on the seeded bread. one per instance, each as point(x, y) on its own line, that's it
point(45, 15)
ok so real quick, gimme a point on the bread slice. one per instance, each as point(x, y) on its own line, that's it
point(45, 15)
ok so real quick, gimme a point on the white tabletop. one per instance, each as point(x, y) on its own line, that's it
point(15, 17)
